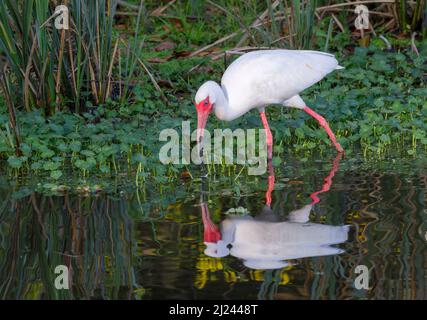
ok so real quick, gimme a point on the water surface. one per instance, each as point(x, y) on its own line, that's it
point(298, 232)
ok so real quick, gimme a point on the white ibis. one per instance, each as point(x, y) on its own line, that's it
point(265, 242)
point(262, 78)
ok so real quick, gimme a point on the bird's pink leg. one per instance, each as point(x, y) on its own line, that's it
point(325, 126)
point(270, 184)
point(327, 182)
point(269, 138)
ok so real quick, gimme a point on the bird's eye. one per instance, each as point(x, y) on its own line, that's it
point(206, 103)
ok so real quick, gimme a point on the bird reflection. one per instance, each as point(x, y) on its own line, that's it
point(266, 242)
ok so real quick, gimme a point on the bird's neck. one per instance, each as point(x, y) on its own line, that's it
point(223, 110)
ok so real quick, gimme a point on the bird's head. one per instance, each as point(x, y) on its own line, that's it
point(204, 101)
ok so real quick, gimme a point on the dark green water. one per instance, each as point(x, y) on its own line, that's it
point(152, 243)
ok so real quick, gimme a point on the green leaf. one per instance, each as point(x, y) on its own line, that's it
point(14, 162)
point(26, 149)
point(47, 153)
point(36, 165)
point(51, 165)
point(87, 153)
point(385, 138)
point(104, 169)
point(56, 174)
point(75, 146)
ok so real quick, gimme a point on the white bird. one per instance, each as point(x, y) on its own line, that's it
point(261, 78)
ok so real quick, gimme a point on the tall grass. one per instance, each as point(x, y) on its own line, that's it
point(414, 19)
point(302, 22)
point(13, 138)
point(53, 69)
point(424, 22)
point(292, 23)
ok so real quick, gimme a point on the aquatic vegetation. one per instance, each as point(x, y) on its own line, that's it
point(375, 105)
point(410, 20)
point(51, 69)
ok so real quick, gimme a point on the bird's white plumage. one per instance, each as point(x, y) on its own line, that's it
point(261, 78)
point(266, 77)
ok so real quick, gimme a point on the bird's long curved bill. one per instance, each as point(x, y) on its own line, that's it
point(202, 118)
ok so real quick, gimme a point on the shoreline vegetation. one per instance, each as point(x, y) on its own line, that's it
point(140, 64)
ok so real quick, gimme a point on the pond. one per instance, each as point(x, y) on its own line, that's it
point(307, 230)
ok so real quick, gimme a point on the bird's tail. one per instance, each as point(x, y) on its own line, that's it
point(339, 67)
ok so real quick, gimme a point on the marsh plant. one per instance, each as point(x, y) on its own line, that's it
point(55, 69)
point(413, 16)
point(94, 111)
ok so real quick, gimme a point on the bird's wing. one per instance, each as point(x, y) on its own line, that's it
point(273, 76)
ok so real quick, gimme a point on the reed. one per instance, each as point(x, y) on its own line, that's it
point(291, 24)
point(414, 19)
point(55, 69)
point(302, 22)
